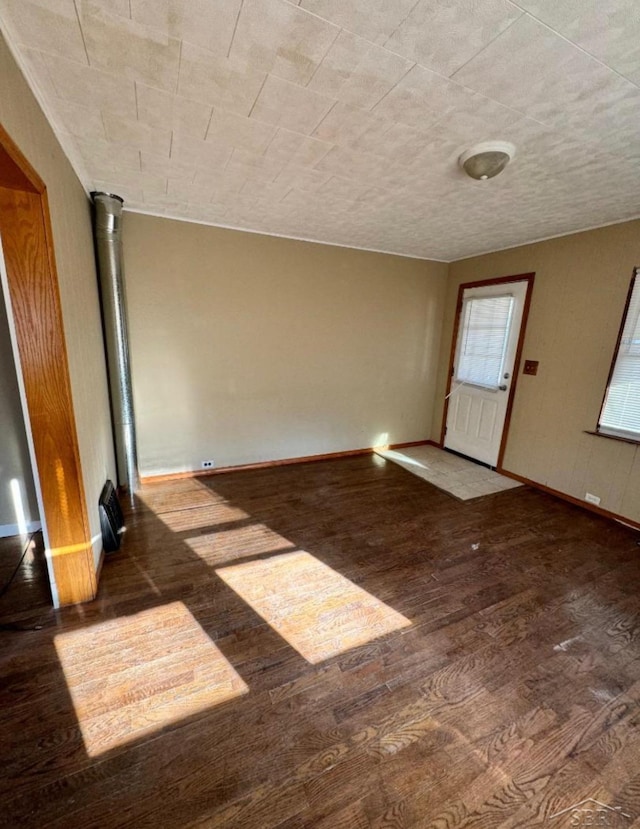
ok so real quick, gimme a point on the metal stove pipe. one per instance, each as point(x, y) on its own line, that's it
point(108, 239)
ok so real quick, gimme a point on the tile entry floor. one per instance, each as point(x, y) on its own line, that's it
point(459, 477)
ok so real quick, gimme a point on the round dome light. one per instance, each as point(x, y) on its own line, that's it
point(486, 160)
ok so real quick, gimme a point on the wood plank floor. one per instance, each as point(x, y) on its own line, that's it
point(24, 585)
point(334, 644)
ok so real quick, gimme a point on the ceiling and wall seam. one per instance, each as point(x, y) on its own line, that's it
point(321, 123)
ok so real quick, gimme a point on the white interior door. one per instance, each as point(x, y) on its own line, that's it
point(488, 332)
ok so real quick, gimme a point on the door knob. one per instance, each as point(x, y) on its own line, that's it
point(502, 388)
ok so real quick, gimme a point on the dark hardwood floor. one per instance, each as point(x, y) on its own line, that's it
point(334, 644)
point(24, 586)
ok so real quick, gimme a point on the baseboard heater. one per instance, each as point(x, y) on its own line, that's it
point(111, 518)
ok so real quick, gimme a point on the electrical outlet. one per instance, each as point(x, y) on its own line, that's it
point(592, 499)
point(208, 464)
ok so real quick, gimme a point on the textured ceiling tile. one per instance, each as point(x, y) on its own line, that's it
point(220, 81)
point(137, 134)
point(373, 19)
point(538, 72)
point(301, 177)
point(121, 7)
point(357, 72)
point(191, 151)
point(532, 69)
point(293, 148)
point(589, 99)
point(518, 64)
point(345, 123)
point(280, 38)
point(248, 165)
point(479, 119)
point(50, 25)
point(220, 181)
point(168, 168)
point(88, 86)
point(151, 186)
point(421, 98)
point(394, 141)
point(206, 23)
point(443, 36)
point(162, 110)
point(271, 191)
point(344, 188)
point(103, 155)
point(347, 163)
point(79, 120)
point(241, 132)
point(331, 205)
point(190, 192)
point(607, 29)
point(290, 106)
point(129, 49)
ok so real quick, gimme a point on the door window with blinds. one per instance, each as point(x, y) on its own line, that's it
point(484, 334)
point(620, 415)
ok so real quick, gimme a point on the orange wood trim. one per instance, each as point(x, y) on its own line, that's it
point(16, 173)
point(632, 441)
point(617, 348)
point(604, 513)
point(529, 278)
point(33, 288)
point(452, 357)
point(329, 456)
point(412, 443)
point(499, 280)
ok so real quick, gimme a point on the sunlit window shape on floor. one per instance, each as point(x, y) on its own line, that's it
point(166, 497)
point(316, 610)
point(226, 546)
point(130, 681)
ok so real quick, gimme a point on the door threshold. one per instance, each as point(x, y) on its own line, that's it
point(467, 458)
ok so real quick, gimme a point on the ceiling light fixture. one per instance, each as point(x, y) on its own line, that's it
point(486, 160)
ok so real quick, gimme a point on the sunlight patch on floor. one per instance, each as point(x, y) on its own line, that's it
point(130, 681)
point(317, 611)
point(226, 546)
point(214, 515)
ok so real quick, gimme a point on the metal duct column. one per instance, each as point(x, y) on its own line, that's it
point(108, 236)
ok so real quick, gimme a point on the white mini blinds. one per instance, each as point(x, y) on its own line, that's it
point(620, 415)
point(484, 335)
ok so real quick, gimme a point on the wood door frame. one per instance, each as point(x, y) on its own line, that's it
point(529, 278)
point(25, 224)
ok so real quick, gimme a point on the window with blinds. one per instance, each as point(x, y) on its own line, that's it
point(620, 415)
point(484, 334)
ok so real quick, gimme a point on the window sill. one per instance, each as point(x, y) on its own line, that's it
point(633, 441)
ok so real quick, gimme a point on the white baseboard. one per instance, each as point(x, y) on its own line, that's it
point(7, 530)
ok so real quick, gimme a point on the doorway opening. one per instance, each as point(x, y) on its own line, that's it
point(24, 582)
point(486, 349)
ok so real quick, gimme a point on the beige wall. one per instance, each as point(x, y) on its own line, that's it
point(71, 220)
point(249, 348)
point(578, 300)
point(15, 462)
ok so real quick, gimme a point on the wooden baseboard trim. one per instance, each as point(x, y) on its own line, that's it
point(412, 443)
point(329, 456)
point(604, 513)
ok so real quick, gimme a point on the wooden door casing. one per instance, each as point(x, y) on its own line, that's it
point(27, 243)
